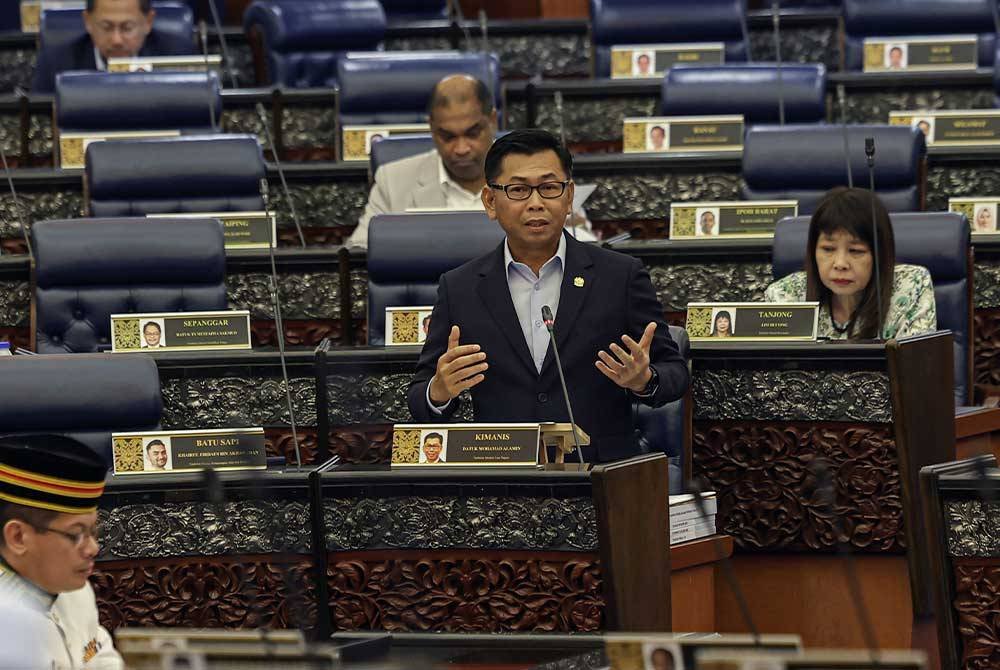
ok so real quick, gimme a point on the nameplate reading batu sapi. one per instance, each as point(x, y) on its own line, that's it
point(920, 54)
point(636, 61)
point(73, 146)
point(953, 128)
point(816, 659)
point(683, 133)
point(980, 211)
point(180, 331)
point(629, 651)
point(407, 325)
point(743, 321)
point(31, 11)
point(188, 450)
point(240, 230)
point(464, 445)
point(707, 220)
point(356, 141)
point(166, 64)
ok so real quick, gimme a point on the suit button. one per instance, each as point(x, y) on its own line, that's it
point(543, 397)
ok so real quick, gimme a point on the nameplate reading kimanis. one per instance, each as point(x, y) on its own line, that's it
point(161, 452)
point(180, 331)
point(465, 445)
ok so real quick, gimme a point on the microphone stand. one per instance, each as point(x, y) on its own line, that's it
point(870, 155)
point(842, 103)
point(549, 320)
point(777, 56)
point(262, 117)
point(17, 205)
point(203, 38)
point(226, 62)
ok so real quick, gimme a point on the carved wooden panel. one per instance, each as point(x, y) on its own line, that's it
point(364, 444)
point(977, 603)
point(767, 494)
point(279, 442)
point(466, 592)
point(987, 346)
point(298, 332)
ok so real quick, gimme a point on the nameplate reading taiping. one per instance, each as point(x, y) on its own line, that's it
point(464, 445)
point(73, 146)
point(637, 61)
point(166, 63)
point(683, 133)
point(180, 331)
point(160, 452)
point(357, 141)
point(921, 54)
point(240, 230)
point(742, 321)
point(407, 325)
point(31, 11)
point(631, 651)
point(739, 220)
point(953, 128)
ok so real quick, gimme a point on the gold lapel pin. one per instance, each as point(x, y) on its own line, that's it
point(578, 282)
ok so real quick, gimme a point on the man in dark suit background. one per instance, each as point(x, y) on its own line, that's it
point(487, 333)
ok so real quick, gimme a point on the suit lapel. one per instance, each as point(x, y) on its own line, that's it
point(428, 191)
point(578, 277)
point(495, 294)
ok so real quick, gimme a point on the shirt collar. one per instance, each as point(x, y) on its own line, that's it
point(99, 60)
point(445, 179)
point(508, 259)
point(34, 596)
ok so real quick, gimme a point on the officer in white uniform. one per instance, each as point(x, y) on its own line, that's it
point(49, 488)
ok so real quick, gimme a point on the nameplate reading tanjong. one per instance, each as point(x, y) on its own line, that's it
point(742, 321)
point(180, 331)
point(166, 64)
point(692, 220)
point(636, 61)
point(920, 54)
point(357, 141)
point(683, 133)
point(407, 325)
point(464, 445)
point(188, 450)
point(980, 211)
point(73, 146)
point(953, 128)
point(240, 230)
point(630, 651)
point(31, 11)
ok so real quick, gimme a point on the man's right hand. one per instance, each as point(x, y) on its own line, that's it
point(460, 367)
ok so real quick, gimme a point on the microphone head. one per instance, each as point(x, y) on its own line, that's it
point(869, 146)
point(264, 186)
point(547, 316)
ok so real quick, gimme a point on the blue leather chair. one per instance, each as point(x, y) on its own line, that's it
point(620, 22)
point(940, 242)
point(88, 269)
point(415, 10)
point(803, 162)
point(394, 87)
point(83, 396)
point(395, 148)
point(666, 428)
point(298, 43)
point(885, 18)
point(185, 101)
point(10, 17)
point(750, 89)
point(63, 41)
point(201, 173)
point(398, 277)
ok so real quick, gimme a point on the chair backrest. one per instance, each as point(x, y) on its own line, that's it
point(62, 30)
point(885, 18)
point(84, 396)
point(395, 148)
point(398, 277)
point(88, 269)
point(197, 173)
point(415, 10)
point(202, 11)
point(186, 101)
point(803, 162)
point(394, 87)
point(618, 22)
point(940, 242)
point(10, 16)
point(750, 89)
point(303, 40)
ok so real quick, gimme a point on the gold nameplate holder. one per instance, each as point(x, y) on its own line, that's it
point(73, 146)
point(980, 211)
point(31, 11)
point(241, 230)
point(628, 651)
point(356, 141)
point(407, 325)
point(731, 220)
point(821, 659)
point(953, 128)
point(920, 54)
point(671, 134)
point(180, 331)
point(162, 452)
point(640, 61)
point(166, 64)
point(752, 321)
point(465, 445)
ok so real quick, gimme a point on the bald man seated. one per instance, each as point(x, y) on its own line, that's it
point(463, 124)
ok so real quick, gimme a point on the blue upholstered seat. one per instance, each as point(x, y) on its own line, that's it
point(885, 18)
point(415, 10)
point(56, 394)
point(664, 428)
point(940, 242)
point(88, 269)
point(803, 162)
point(750, 89)
point(200, 173)
point(619, 22)
point(395, 148)
point(303, 40)
point(10, 16)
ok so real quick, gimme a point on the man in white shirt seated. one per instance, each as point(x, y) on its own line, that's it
point(463, 124)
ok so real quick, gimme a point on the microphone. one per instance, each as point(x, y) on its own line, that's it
point(842, 103)
point(281, 173)
point(17, 205)
point(484, 32)
point(279, 326)
point(776, 20)
point(203, 38)
point(226, 62)
point(458, 21)
point(870, 154)
point(550, 321)
point(558, 97)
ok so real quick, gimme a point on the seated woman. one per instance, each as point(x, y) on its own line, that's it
point(840, 273)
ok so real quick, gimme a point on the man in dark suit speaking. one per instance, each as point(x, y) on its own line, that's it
point(487, 333)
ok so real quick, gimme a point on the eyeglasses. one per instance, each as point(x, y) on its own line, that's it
point(77, 538)
point(127, 29)
point(550, 190)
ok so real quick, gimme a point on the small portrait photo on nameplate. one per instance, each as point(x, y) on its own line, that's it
point(640, 61)
point(920, 54)
point(954, 128)
point(73, 146)
point(407, 325)
point(710, 658)
point(629, 651)
point(732, 220)
point(240, 230)
point(180, 331)
point(465, 445)
point(356, 141)
point(980, 211)
point(752, 321)
point(159, 452)
point(166, 64)
point(683, 134)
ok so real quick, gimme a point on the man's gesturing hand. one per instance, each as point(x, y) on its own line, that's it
point(458, 368)
point(629, 369)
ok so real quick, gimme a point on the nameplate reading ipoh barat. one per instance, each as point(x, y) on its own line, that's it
point(665, 134)
point(357, 141)
point(166, 64)
point(160, 452)
point(734, 220)
point(920, 54)
point(631, 651)
point(465, 445)
point(745, 321)
point(240, 230)
point(180, 331)
point(73, 146)
point(638, 61)
point(953, 128)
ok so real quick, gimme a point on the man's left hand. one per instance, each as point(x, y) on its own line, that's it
point(629, 369)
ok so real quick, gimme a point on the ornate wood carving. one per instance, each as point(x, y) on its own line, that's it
point(987, 346)
point(973, 528)
point(362, 445)
point(298, 332)
point(767, 496)
point(977, 603)
point(280, 443)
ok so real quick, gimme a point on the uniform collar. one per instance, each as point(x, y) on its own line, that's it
point(34, 597)
point(560, 253)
